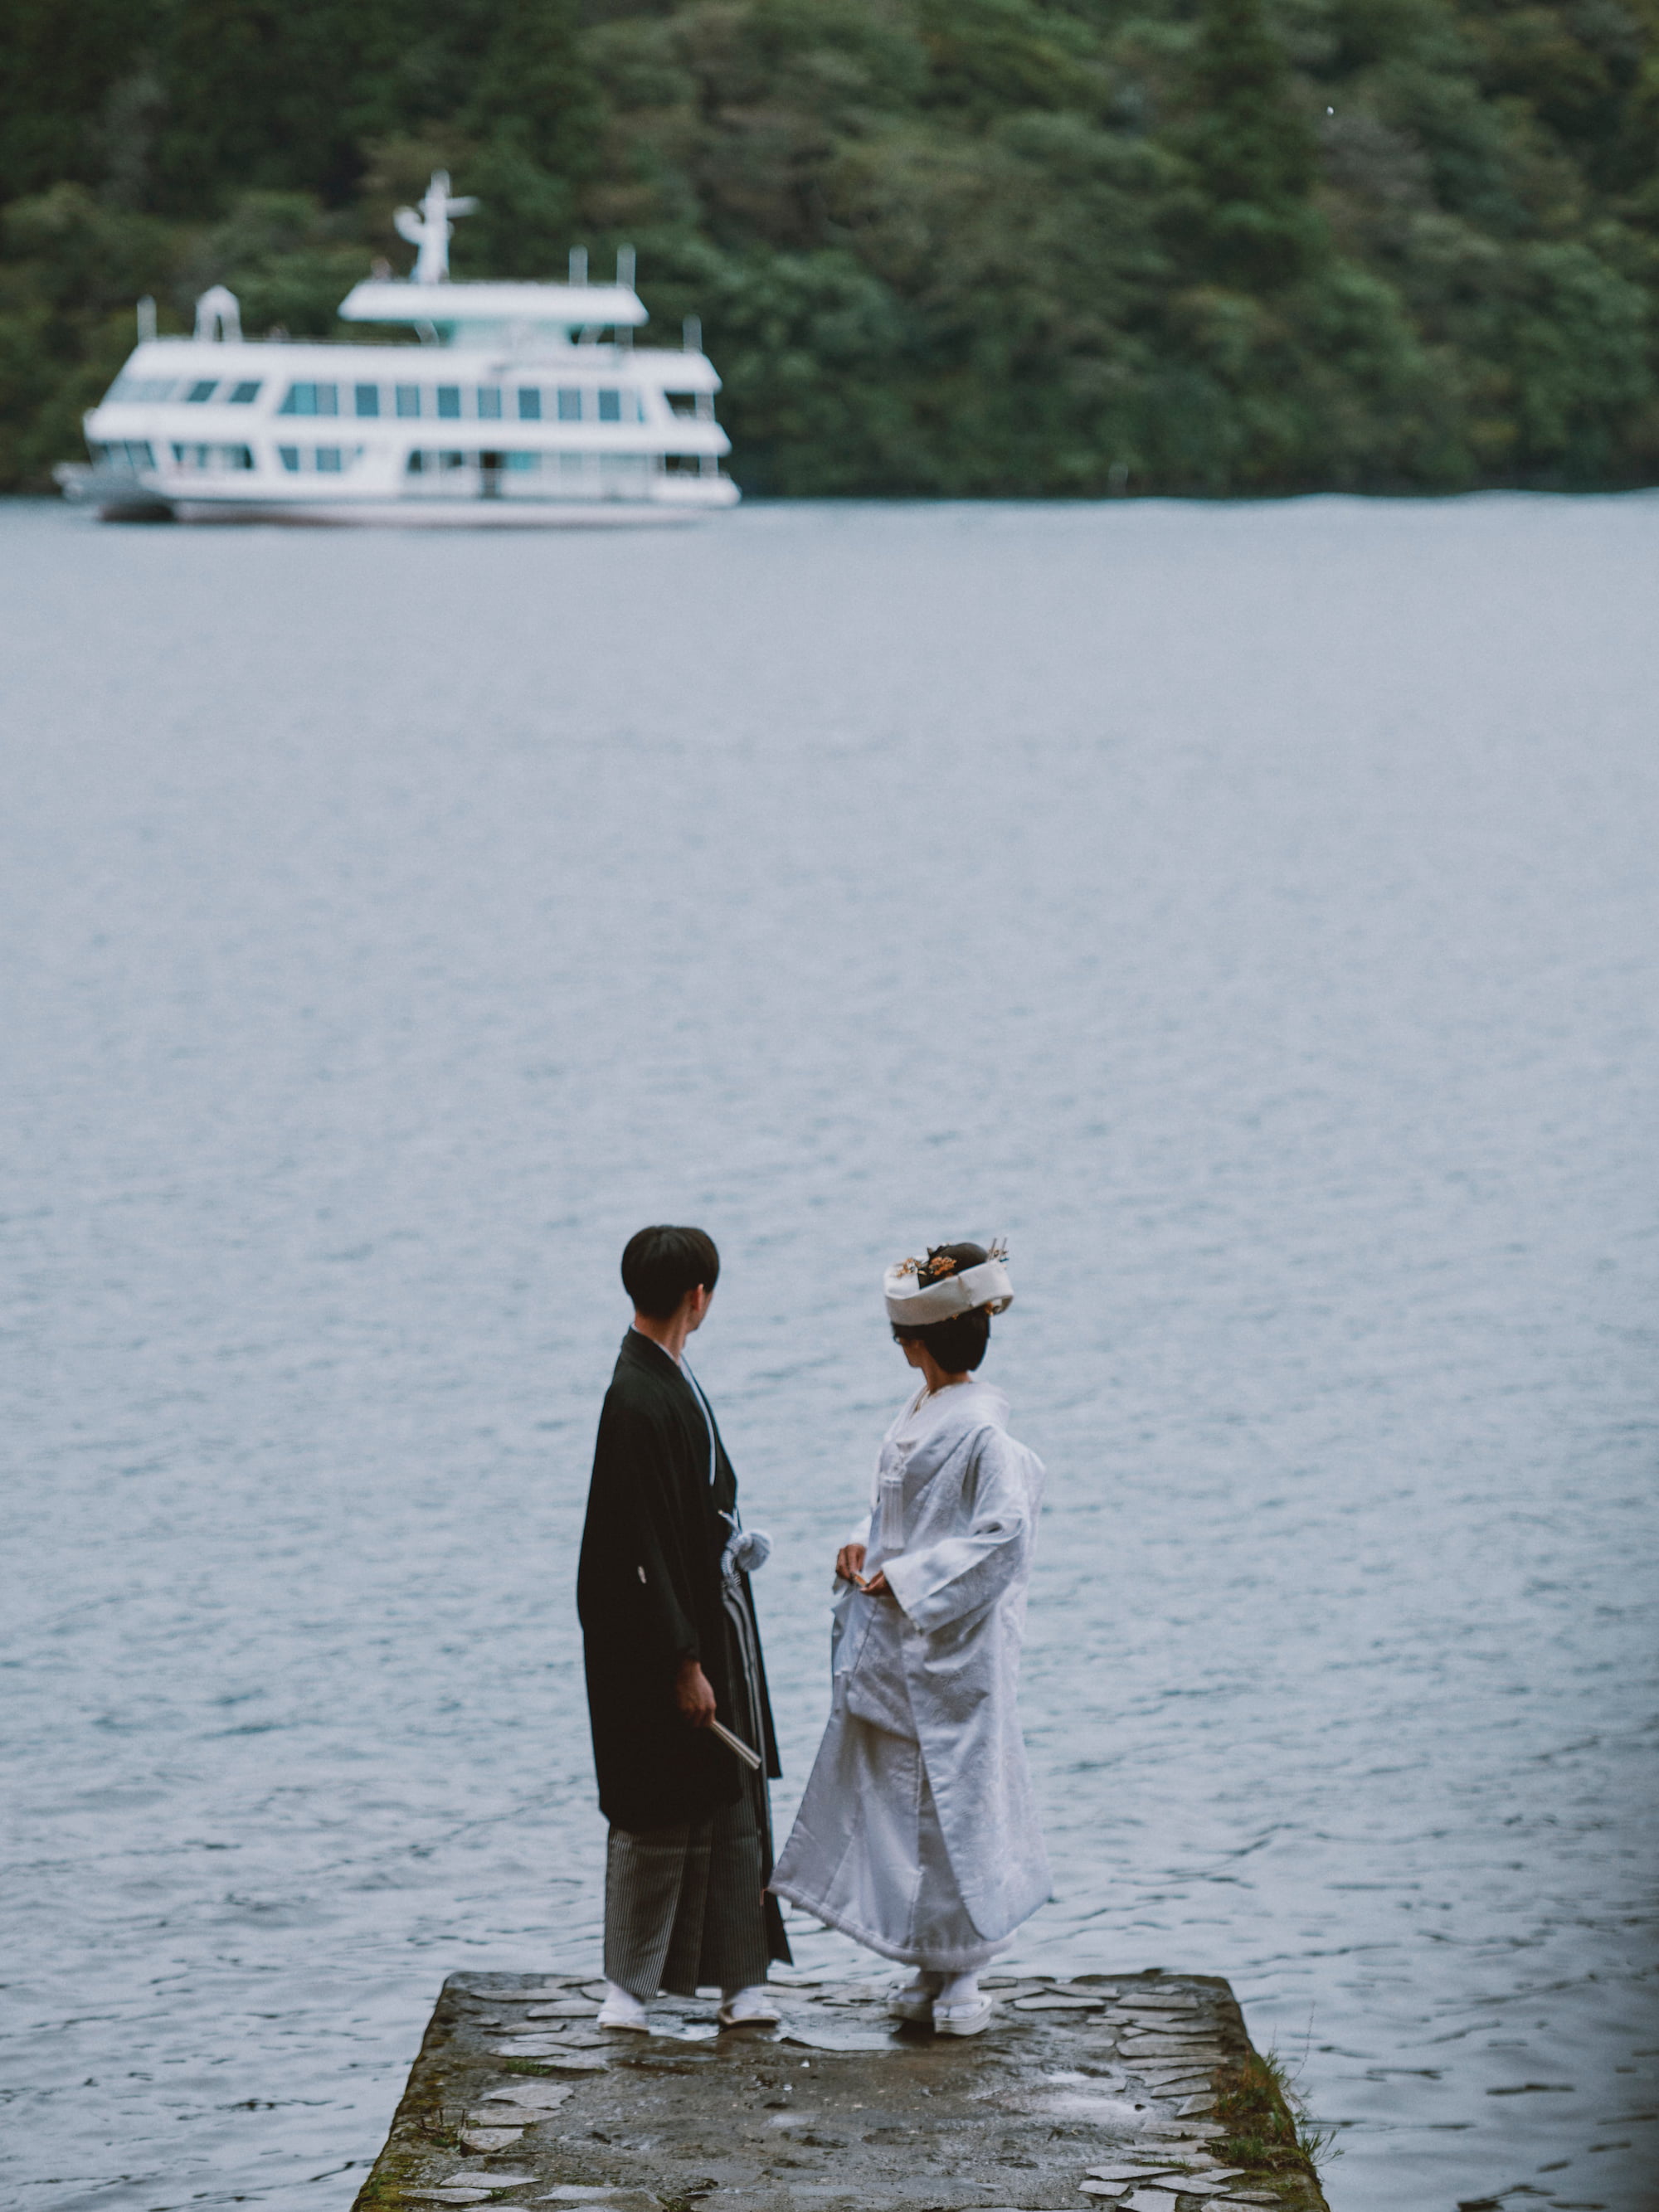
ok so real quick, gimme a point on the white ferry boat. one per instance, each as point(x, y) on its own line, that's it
point(523, 404)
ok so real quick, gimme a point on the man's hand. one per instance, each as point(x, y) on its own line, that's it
point(694, 1693)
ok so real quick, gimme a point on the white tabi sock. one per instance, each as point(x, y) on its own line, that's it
point(622, 2010)
point(754, 2003)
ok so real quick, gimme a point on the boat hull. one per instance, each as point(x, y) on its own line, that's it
point(480, 515)
point(119, 497)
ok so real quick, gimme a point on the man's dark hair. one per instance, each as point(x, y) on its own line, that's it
point(661, 1265)
point(958, 1344)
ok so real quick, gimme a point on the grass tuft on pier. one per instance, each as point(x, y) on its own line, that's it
point(1269, 2131)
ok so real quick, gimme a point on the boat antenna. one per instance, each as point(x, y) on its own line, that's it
point(431, 229)
point(578, 264)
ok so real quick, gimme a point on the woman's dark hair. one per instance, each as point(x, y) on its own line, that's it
point(958, 1344)
point(661, 1265)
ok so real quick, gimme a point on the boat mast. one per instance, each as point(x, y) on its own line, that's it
point(432, 229)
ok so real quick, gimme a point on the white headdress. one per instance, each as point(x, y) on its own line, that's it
point(915, 1295)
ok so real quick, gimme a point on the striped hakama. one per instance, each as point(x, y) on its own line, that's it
point(682, 1906)
point(685, 1906)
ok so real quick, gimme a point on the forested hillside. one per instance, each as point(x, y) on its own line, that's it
point(959, 246)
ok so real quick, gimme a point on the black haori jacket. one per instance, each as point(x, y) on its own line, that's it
point(648, 1591)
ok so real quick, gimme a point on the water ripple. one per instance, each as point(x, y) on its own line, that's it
point(1250, 910)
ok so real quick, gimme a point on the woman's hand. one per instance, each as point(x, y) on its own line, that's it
point(849, 1565)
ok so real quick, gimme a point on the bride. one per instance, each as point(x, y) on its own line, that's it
point(917, 1834)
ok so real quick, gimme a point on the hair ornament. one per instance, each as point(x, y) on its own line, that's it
point(938, 1288)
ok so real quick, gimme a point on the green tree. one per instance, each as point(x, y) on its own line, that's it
point(1248, 216)
point(59, 69)
point(260, 94)
point(532, 105)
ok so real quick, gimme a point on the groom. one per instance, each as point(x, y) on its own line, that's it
point(671, 1643)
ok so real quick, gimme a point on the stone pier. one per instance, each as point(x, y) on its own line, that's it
point(1135, 2090)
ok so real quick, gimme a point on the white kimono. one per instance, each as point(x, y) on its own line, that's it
point(917, 1834)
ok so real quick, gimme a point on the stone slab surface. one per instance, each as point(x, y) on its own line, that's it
point(836, 2109)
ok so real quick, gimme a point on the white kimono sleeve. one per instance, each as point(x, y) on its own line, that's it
point(962, 1575)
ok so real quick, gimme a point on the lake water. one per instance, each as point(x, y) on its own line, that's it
point(1251, 911)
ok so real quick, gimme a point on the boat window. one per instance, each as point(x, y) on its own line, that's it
point(408, 398)
point(521, 460)
point(205, 390)
point(318, 460)
point(530, 404)
point(245, 394)
point(489, 403)
point(140, 453)
point(148, 388)
point(212, 457)
point(311, 399)
point(369, 399)
point(449, 401)
point(570, 407)
point(610, 407)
